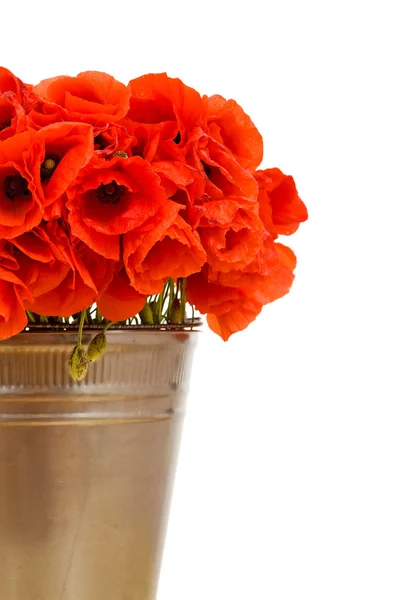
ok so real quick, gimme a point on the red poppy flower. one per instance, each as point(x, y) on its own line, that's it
point(233, 300)
point(242, 312)
point(231, 232)
point(268, 277)
point(54, 272)
point(7, 260)
point(110, 198)
point(43, 115)
point(42, 265)
point(229, 125)
point(101, 270)
point(157, 98)
point(174, 175)
point(145, 139)
point(20, 206)
point(12, 312)
point(13, 294)
point(120, 301)
point(163, 247)
point(12, 116)
point(10, 83)
point(228, 309)
point(180, 183)
point(281, 209)
point(107, 191)
point(91, 96)
point(57, 155)
point(112, 138)
point(154, 141)
point(222, 174)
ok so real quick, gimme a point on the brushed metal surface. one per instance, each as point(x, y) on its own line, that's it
point(86, 469)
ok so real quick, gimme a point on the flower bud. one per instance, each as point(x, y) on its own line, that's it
point(146, 315)
point(78, 363)
point(97, 347)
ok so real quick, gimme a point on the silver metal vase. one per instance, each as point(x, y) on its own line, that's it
point(86, 469)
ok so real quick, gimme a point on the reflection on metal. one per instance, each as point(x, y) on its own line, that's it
point(86, 469)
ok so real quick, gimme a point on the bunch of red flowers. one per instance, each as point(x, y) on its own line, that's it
point(107, 191)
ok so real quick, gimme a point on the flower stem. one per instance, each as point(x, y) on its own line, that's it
point(171, 297)
point(183, 299)
point(30, 316)
point(81, 324)
point(108, 325)
point(160, 303)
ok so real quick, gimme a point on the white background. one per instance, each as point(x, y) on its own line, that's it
point(288, 486)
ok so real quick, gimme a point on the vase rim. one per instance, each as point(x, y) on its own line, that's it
point(123, 335)
point(190, 325)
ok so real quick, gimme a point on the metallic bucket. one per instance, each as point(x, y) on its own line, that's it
point(86, 469)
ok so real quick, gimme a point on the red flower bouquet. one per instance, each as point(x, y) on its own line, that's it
point(124, 203)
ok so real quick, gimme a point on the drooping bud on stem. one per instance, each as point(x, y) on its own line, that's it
point(97, 347)
point(78, 363)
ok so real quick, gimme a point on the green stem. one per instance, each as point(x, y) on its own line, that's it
point(164, 298)
point(30, 316)
point(171, 298)
point(160, 303)
point(81, 324)
point(183, 299)
point(108, 325)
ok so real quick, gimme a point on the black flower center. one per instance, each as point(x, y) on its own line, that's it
point(207, 169)
point(177, 138)
point(48, 166)
point(14, 186)
point(100, 143)
point(4, 124)
point(110, 193)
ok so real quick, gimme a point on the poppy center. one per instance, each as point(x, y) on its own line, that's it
point(207, 169)
point(177, 138)
point(4, 124)
point(14, 186)
point(110, 193)
point(100, 143)
point(48, 166)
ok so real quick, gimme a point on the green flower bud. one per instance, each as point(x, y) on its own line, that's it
point(120, 153)
point(97, 347)
point(176, 312)
point(146, 315)
point(78, 363)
